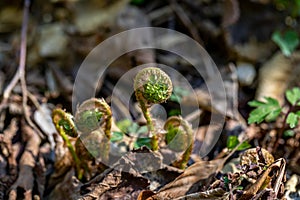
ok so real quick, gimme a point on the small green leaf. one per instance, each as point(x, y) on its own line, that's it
point(255, 103)
point(133, 128)
point(142, 142)
point(288, 133)
point(116, 136)
point(178, 93)
point(239, 187)
point(287, 42)
point(243, 146)
point(124, 124)
point(273, 115)
point(293, 95)
point(292, 120)
point(268, 110)
point(65, 125)
point(174, 112)
point(142, 129)
point(175, 98)
point(233, 141)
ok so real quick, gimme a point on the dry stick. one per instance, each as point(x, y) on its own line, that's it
point(183, 17)
point(21, 69)
point(20, 74)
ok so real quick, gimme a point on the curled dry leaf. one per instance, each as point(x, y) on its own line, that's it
point(267, 181)
point(256, 155)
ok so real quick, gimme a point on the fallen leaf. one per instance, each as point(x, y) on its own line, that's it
point(42, 117)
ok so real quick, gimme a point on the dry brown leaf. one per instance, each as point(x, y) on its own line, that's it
point(215, 194)
point(184, 183)
point(122, 181)
point(67, 188)
point(188, 181)
point(42, 118)
point(260, 183)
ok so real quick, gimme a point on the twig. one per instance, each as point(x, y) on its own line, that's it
point(185, 20)
point(21, 69)
point(20, 74)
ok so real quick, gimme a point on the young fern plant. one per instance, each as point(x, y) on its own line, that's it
point(93, 118)
point(65, 126)
point(92, 122)
point(179, 137)
point(152, 86)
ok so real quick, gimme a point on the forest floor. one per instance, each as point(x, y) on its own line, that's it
point(74, 126)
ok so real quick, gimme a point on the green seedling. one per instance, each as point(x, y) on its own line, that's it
point(152, 86)
point(287, 42)
point(233, 141)
point(270, 110)
point(179, 137)
point(92, 125)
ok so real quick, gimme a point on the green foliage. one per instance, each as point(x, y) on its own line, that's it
point(287, 42)
point(152, 86)
point(288, 133)
point(271, 109)
point(174, 112)
point(292, 6)
point(156, 90)
point(233, 141)
point(268, 110)
point(89, 120)
point(176, 139)
point(293, 96)
point(124, 124)
point(132, 128)
point(292, 119)
point(142, 142)
point(65, 125)
point(178, 93)
point(116, 136)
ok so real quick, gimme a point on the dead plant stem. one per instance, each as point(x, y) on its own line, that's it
point(20, 73)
